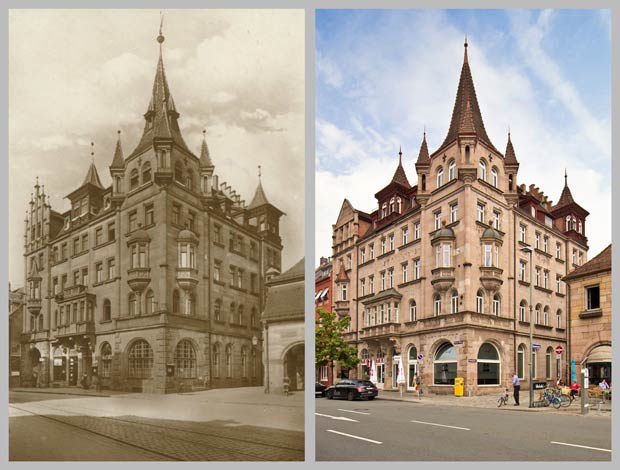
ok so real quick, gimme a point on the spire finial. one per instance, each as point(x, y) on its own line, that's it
point(465, 60)
point(565, 178)
point(204, 134)
point(37, 185)
point(400, 155)
point(119, 133)
point(92, 151)
point(259, 173)
point(161, 37)
point(424, 131)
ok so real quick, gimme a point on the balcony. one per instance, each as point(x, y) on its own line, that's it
point(138, 278)
point(385, 329)
point(341, 306)
point(76, 290)
point(187, 278)
point(349, 337)
point(76, 329)
point(442, 278)
point(41, 335)
point(163, 176)
point(491, 278)
point(33, 306)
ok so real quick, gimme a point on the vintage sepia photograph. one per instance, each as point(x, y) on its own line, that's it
point(463, 235)
point(156, 235)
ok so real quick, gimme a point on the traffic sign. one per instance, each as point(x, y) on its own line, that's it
point(559, 349)
point(420, 357)
point(535, 346)
point(458, 341)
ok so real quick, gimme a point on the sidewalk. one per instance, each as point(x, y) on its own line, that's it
point(488, 401)
point(232, 406)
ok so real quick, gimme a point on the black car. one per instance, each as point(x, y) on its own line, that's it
point(319, 389)
point(352, 389)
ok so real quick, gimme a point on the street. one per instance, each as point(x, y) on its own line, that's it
point(385, 430)
point(58, 427)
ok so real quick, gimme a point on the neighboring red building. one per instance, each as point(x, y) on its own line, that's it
point(323, 299)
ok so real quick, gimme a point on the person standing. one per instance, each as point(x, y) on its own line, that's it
point(516, 386)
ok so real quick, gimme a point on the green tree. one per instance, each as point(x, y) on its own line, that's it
point(330, 345)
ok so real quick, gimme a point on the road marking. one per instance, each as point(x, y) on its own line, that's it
point(354, 437)
point(351, 411)
point(442, 425)
point(338, 418)
point(583, 447)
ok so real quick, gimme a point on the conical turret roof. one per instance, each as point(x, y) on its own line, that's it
point(400, 176)
point(118, 161)
point(423, 156)
point(205, 156)
point(260, 198)
point(509, 157)
point(92, 177)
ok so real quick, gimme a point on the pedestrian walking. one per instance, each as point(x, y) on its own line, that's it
point(516, 386)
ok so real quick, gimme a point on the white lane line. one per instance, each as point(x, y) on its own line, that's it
point(583, 447)
point(337, 418)
point(351, 411)
point(442, 425)
point(354, 437)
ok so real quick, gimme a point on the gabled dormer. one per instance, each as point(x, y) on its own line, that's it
point(87, 200)
point(393, 199)
point(570, 217)
point(263, 215)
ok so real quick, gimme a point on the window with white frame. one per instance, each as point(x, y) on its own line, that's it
point(416, 269)
point(574, 256)
point(405, 235)
point(451, 170)
point(363, 255)
point(391, 277)
point(558, 251)
point(405, 267)
point(454, 212)
point(343, 292)
point(522, 310)
point(533, 211)
point(496, 220)
point(480, 301)
point(413, 311)
point(436, 305)
point(497, 303)
point(537, 312)
point(383, 245)
point(522, 230)
point(546, 279)
point(454, 301)
point(522, 268)
point(537, 241)
point(371, 251)
point(323, 376)
point(416, 231)
point(546, 244)
point(558, 283)
point(440, 177)
point(437, 220)
point(546, 316)
point(537, 283)
point(494, 177)
point(371, 284)
point(488, 255)
point(349, 261)
point(480, 213)
point(382, 274)
point(391, 241)
point(558, 319)
point(483, 170)
point(362, 287)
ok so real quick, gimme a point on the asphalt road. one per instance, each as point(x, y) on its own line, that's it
point(43, 429)
point(405, 431)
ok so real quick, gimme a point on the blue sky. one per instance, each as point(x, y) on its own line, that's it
point(383, 76)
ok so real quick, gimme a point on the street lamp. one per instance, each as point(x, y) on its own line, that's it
point(528, 249)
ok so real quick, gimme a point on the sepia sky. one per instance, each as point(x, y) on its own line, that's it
point(384, 76)
point(77, 76)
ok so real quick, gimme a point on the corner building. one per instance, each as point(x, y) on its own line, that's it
point(155, 282)
point(436, 273)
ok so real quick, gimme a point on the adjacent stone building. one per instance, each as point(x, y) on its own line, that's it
point(323, 300)
point(16, 314)
point(155, 281)
point(589, 306)
point(283, 330)
point(436, 273)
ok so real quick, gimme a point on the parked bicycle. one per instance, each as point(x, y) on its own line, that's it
point(503, 399)
point(556, 398)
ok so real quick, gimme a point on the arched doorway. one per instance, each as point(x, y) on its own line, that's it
point(412, 361)
point(488, 365)
point(294, 367)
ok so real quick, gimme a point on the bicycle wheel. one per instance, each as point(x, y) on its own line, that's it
point(500, 402)
point(565, 401)
point(556, 403)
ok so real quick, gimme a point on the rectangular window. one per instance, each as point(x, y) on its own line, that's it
point(521, 312)
point(76, 246)
point(546, 244)
point(488, 261)
point(76, 278)
point(149, 215)
point(371, 284)
point(363, 255)
point(416, 269)
point(496, 220)
point(99, 272)
point(85, 276)
point(343, 292)
point(98, 236)
point(383, 245)
point(217, 270)
point(253, 252)
point(176, 214)
point(217, 234)
point(416, 231)
point(480, 213)
point(349, 262)
point(537, 241)
point(546, 279)
point(362, 287)
point(111, 231)
point(537, 283)
point(191, 217)
point(55, 286)
point(593, 298)
point(405, 235)
point(454, 213)
point(133, 221)
point(111, 269)
point(405, 272)
point(548, 221)
point(85, 242)
point(533, 211)
point(522, 233)
point(372, 251)
point(391, 242)
point(574, 256)
point(383, 280)
point(558, 283)
point(522, 266)
point(63, 282)
point(437, 220)
point(447, 262)
point(63, 251)
point(558, 251)
point(391, 278)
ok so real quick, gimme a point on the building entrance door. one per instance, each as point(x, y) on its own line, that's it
point(413, 370)
point(395, 375)
point(380, 375)
point(73, 370)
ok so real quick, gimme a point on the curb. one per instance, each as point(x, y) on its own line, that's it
point(52, 392)
point(509, 408)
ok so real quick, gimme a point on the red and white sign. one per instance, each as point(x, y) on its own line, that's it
point(559, 350)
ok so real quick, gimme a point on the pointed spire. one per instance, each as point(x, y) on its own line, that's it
point(118, 161)
point(161, 128)
point(423, 157)
point(566, 197)
point(260, 199)
point(510, 157)
point(400, 176)
point(466, 115)
point(92, 177)
point(205, 157)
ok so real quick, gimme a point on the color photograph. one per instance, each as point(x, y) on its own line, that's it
point(156, 235)
point(463, 235)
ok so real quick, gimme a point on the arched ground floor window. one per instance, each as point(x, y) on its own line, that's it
point(445, 365)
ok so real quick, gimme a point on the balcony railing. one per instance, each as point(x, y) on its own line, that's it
point(75, 329)
point(33, 305)
point(383, 329)
point(341, 305)
point(74, 291)
point(138, 278)
point(442, 278)
point(187, 277)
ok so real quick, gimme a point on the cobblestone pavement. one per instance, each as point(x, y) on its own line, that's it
point(193, 441)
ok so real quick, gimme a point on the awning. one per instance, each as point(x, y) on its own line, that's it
point(318, 295)
point(325, 292)
point(599, 354)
